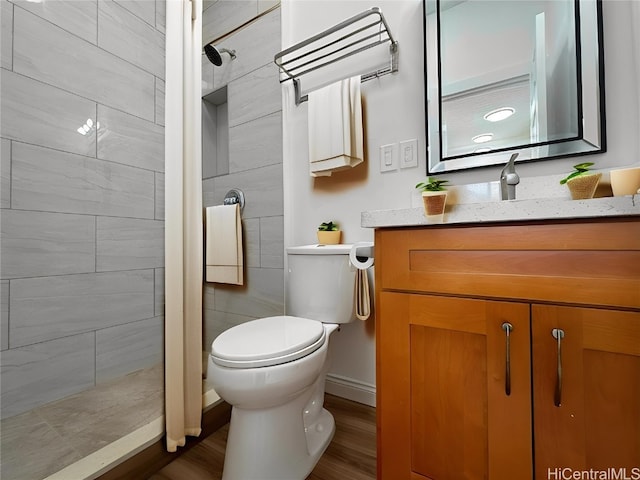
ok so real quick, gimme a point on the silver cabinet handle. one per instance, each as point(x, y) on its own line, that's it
point(507, 327)
point(558, 334)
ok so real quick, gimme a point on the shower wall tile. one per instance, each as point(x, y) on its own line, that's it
point(225, 15)
point(143, 9)
point(6, 47)
point(46, 308)
point(160, 91)
point(128, 243)
point(216, 322)
point(262, 296)
point(4, 314)
point(37, 113)
point(251, 238)
point(80, 67)
point(79, 17)
point(45, 372)
point(129, 37)
point(159, 292)
point(161, 15)
point(123, 349)
point(5, 173)
point(255, 144)
point(255, 95)
point(255, 47)
point(210, 129)
point(262, 188)
point(36, 244)
point(272, 242)
point(127, 139)
point(264, 5)
point(49, 180)
point(159, 208)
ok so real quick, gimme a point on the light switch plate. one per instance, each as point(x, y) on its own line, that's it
point(388, 157)
point(409, 153)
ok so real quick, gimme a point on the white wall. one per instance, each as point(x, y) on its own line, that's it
point(394, 112)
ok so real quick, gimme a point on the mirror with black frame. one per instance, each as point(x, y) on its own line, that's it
point(507, 76)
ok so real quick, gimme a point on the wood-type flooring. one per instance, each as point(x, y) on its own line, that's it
point(350, 456)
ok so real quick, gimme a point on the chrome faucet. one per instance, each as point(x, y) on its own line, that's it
point(509, 179)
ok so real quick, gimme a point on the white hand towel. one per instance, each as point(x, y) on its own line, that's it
point(224, 258)
point(335, 127)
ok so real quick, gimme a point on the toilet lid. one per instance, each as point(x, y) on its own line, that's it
point(267, 341)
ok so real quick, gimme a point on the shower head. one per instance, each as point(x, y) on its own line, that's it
point(213, 54)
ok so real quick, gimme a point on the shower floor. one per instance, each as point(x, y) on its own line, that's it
point(44, 440)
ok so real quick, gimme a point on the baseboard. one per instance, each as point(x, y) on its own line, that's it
point(351, 389)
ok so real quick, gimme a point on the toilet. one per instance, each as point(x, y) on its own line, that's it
point(272, 370)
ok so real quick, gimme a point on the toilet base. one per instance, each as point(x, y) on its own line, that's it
point(274, 443)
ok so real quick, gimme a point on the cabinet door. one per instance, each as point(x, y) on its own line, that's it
point(445, 411)
point(587, 414)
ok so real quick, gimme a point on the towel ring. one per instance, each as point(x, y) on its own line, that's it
point(234, 196)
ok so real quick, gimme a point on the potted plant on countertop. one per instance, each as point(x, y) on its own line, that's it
point(582, 183)
point(329, 233)
point(434, 195)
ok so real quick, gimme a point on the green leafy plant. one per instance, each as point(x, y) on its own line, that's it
point(580, 170)
point(328, 227)
point(433, 185)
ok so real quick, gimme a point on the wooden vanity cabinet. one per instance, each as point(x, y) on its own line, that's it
point(451, 406)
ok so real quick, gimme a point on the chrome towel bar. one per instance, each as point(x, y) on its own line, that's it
point(351, 37)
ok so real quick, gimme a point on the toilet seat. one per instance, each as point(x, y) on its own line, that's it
point(267, 341)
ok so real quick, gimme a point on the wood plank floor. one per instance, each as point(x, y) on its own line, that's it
point(351, 455)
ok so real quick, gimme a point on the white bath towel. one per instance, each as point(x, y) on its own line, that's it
point(335, 127)
point(224, 258)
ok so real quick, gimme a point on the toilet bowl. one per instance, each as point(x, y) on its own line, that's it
point(272, 371)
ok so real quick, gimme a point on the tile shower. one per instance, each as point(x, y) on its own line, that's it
point(82, 219)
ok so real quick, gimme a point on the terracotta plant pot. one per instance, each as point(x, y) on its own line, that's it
point(329, 237)
point(434, 202)
point(584, 186)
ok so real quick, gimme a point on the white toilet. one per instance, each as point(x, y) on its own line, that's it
point(272, 370)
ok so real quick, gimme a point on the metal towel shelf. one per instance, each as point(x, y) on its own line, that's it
point(296, 61)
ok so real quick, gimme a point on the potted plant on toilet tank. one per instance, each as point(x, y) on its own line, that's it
point(434, 195)
point(329, 233)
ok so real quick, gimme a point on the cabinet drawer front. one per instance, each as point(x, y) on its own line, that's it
point(587, 263)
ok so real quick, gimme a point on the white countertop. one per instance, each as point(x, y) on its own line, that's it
point(506, 211)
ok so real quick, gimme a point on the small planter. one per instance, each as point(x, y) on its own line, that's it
point(329, 237)
point(584, 186)
point(434, 202)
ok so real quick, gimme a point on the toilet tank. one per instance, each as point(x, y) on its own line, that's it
point(321, 283)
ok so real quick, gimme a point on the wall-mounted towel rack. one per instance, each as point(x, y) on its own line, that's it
point(352, 36)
